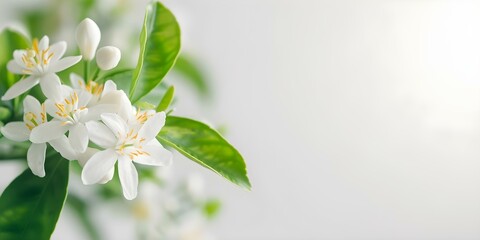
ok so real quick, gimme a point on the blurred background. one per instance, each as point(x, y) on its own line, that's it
point(357, 119)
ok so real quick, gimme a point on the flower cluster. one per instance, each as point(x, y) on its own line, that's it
point(89, 121)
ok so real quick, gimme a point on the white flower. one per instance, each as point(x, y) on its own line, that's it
point(127, 142)
point(108, 57)
point(34, 115)
point(88, 37)
point(70, 111)
point(41, 63)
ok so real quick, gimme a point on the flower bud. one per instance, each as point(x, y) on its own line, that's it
point(108, 57)
point(88, 37)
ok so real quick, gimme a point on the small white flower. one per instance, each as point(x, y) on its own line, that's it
point(20, 131)
point(41, 63)
point(88, 37)
point(108, 57)
point(127, 142)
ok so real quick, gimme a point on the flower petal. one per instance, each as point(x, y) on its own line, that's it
point(101, 134)
point(96, 111)
point(20, 87)
point(115, 123)
point(128, 177)
point(16, 131)
point(64, 63)
point(120, 99)
point(78, 137)
point(84, 157)
point(63, 146)
point(36, 158)
point(109, 87)
point(108, 176)
point(77, 81)
point(83, 97)
point(157, 155)
point(58, 49)
point(98, 166)
point(48, 131)
point(14, 67)
point(17, 57)
point(43, 44)
point(152, 126)
point(51, 87)
point(31, 104)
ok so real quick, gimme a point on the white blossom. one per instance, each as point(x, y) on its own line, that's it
point(40, 64)
point(126, 138)
point(35, 115)
point(108, 57)
point(88, 37)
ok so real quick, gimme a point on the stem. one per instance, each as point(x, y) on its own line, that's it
point(85, 70)
point(95, 75)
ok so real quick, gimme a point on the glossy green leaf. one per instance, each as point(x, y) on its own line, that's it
point(10, 41)
point(159, 48)
point(31, 206)
point(122, 78)
point(205, 146)
point(193, 74)
point(166, 100)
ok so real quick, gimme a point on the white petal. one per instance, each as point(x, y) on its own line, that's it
point(43, 44)
point(36, 158)
point(51, 87)
point(96, 111)
point(109, 87)
point(108, 57)
point(17, 57)
point(64, 63)
point(77, 81)
point(48, 131)
point(120, 99)
point(128, 177)
point(152, 126)
point(20, 87)
point(101, 134)
point(31, 104)
point(158, 155)
point(78, 137)
point(98, 166)
point(16, 131)
point(58, 49)
point(14, 67)
point(63, 146)
point(84, 157)
point(83, 97)
point(108, 176)
point(88, 37)
point(50, 108)
point(115, 123)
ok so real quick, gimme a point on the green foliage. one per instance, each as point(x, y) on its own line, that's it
point(211, 208)
point(189, 69)
point(10, 41)
point(10, 150)
point(30, 206)
point(159, 48)
point(166, 100)
point(205, 146)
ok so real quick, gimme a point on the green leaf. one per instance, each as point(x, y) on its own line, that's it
point(205, 146)
point(211, 208)
point(10, 41)
point(192, 73)
point(122, 78)
point(159, 48)
point(31, 206)
point(166, 100)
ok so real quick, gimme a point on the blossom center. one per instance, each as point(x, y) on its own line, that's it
point(131, 145)
point(36, 59)
point(32, 120)
point(68, 109)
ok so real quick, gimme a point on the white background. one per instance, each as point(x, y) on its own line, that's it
point(357, 119)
